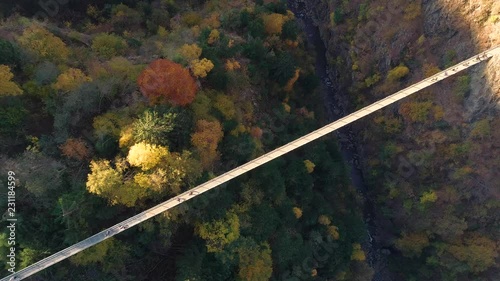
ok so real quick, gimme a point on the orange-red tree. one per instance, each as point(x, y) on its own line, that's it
point(76, 149)
point(165, 81)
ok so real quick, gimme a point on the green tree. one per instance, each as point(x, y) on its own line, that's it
point(283, 68)
point(255, 262)
point(9, 53)
point(219, 233)
point(290, 30)
point(153, 128)
point(108, 45)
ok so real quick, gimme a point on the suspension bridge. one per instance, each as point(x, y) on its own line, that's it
point(217, 181)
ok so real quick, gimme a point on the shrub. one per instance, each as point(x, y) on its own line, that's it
point(397, 73)
point(372, 80)
point(416, 111)
point(462, 87)
point(108, 45)
point(481, 129)
point(337, 17)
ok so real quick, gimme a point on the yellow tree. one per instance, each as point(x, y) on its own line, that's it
point(71, 79)
point(107, 182)
point(273, 23)
point(146, 156)
point(291, 82)
point(206, 138)
point(173, 170)
point(297, 212)
point(333, 231)
point(225, 105)
point(202, 67)
point(213, 36)
point(309, 166)
point(43, 44)
point(190, 52)
point(324, 220)
point(232, 64)
point(357, 253)
point(7, 87)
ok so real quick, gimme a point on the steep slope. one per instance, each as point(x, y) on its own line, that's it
point(431, 160)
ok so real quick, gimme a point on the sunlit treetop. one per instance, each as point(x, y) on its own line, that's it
point(146, 155)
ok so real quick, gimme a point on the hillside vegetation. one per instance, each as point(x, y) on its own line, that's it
point(431, 160)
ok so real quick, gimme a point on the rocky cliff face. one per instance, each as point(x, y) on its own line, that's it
point(470, 26)
point(389, 30)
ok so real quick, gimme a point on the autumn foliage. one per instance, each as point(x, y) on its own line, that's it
point(205, 139)
point(7, 86)
point(75, 149)
point(165, 81)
